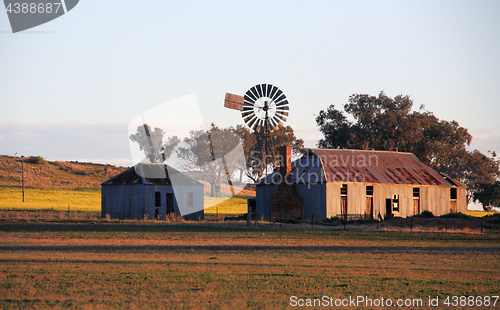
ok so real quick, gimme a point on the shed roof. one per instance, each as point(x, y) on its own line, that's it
point(341, 165)
point(151, 174)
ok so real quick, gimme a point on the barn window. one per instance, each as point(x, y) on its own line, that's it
point(343, 190)
point(453, 193)
point(416, 192)
point(190, 201)
point(369, 191)
point(395, 203)
point(157, 199)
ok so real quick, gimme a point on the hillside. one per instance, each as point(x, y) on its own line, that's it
point(43, 174)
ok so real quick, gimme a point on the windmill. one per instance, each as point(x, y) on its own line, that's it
point(263, 107)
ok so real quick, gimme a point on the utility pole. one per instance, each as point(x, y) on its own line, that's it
point(22, 173)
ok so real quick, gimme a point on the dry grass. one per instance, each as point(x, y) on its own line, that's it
point(131, 264)
point(224, 280)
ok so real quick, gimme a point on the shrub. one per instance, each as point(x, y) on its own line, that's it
point(37, 160)
point(425, 214)
point(493, 218)
point(366, 221)
point(241, 217)
point(332, 219)
point(457, 215)
point(493, 215)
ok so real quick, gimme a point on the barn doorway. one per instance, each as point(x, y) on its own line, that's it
point(369, 202)
point(453, 198)
point(343, 201)
point(157, 204)
point(453, 206)
point(369, 208)
point(343, 206)
point(388, 208)
point(416, 200)
point(170, 203)
point(416, 206)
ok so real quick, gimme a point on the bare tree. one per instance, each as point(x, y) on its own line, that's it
point(152, 144)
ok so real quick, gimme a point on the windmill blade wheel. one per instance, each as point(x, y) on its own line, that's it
point(265, 106)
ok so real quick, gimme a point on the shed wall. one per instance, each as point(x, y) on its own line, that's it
point(263, 198)
point(314, 200)
point(138, 200)
point(462, 200)
point(194, 211)
point(123, 201)
point(332, 199)
point(433, 198)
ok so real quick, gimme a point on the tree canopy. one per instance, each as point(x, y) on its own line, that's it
point(488, 194)
point(151, 142)
point(390, 124)
point(212, 155)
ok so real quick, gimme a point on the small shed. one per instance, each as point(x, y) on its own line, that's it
point(325, 183)
point(152, 191)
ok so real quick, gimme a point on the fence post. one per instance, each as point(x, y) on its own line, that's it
point(312, 220)
point(411, 223)
point(68, 212)
point(482, 220)
point(249, 216)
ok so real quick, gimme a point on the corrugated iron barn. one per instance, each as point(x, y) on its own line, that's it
point(152, 191)
point(358, 184)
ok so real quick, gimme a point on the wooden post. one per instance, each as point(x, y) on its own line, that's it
point(68, 212)
point(312, 220)
point(482, 221)
point(411, 223)
point(249, 215)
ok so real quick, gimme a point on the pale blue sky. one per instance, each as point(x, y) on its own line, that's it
point(69, 88)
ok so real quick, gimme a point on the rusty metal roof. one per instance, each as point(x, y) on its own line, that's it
point(151, 174)
point(344, 166)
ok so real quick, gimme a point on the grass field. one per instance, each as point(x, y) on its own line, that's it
point(480, 213)
point(232, 266)
point(88, 199)
point(234, 205)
